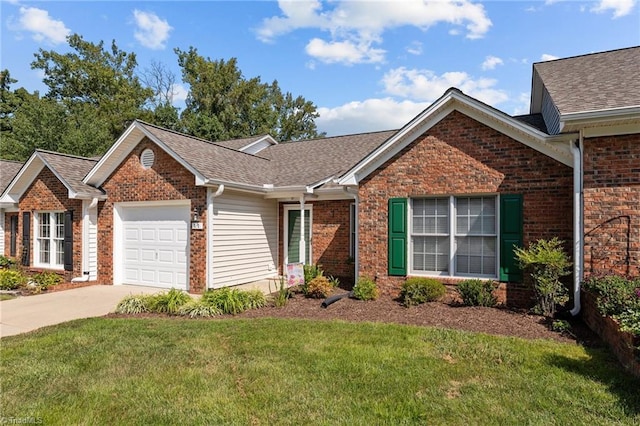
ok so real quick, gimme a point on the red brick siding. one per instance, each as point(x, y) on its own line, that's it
point(47, 193)
point(166, 180)
point(462, 156)
point(612, 205)
point(330, 237)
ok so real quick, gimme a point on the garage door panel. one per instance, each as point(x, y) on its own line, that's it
point(156, 246)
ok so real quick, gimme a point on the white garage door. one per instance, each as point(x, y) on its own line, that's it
point(156, 246)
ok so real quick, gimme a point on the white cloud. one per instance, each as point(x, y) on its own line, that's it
point(491, 62)
point(42, 26)
point(547, 57)
point(425, 85)
point(152, 32)
point(179, 93)
point(415, 48)
point(619, 7)
point(345, 52)
point(522, 104)
point(361, 24)
point(367, 116)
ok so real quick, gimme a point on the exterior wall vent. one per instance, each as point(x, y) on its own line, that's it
point(147, 158)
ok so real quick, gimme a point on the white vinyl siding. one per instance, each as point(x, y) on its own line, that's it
point(90, 241)
point(454, 236)
point(244, 239)
point(256, 147)
point(2, 252)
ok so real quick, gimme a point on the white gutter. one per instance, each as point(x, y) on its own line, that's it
point(356, 260)
point(577, 223)
point(209, 238)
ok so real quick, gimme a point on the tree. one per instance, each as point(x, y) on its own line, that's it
point(162, 82)
point(223, 104)
point(96, 85)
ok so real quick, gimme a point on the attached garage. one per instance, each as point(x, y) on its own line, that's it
point(152, 244)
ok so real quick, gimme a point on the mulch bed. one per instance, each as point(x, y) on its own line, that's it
point(447, 314)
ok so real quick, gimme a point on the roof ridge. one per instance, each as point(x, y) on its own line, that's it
point(64, 154)
point(341, 136)
point(587, 54)
point(175, 132)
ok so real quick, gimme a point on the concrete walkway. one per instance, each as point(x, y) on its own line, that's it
point(32, 312)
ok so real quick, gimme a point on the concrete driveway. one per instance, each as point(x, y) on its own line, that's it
point(32, 312)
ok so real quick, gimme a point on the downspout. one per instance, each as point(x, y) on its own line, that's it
point(210, 196)
point(301, 245)
point(356, 259)
point(577, 150)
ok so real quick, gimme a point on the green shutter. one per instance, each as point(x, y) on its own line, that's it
point(398, 236)
point(510, 236)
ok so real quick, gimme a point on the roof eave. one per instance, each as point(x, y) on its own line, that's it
point(576, 120)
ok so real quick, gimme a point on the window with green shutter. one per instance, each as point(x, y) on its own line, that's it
point(398, 236)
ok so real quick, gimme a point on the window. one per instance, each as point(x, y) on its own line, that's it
point(455, 236)
point(50, 239)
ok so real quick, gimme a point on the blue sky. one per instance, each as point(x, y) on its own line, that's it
point(366, 65)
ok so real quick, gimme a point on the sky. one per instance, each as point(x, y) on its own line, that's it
point(366, 65)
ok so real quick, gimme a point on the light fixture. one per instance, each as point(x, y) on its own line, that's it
point(196, 216)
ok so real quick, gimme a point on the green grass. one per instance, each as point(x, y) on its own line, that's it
point(273, 371)
point(6, 296)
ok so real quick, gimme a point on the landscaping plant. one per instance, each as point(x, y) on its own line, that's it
point(618, 298)
point(228, 301)
point(168, 302)
point(417, 290)
point(282, 295)
point(198, 309)
point(11, 279)
point(44, 280)
point(365, 289)
point(548, 262)
point(6, 262)
point(134, 304)
point(477, 292)
point(318, 288)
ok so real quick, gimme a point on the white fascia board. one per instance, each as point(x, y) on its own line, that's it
point(590, 118)
point(470, 107)
point(614, 130)
point(23, 179)
point(109, 161)
point(255, 189)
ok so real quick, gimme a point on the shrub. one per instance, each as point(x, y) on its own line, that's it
point(255, 299)
point(335, 282)
point(44, 280)
point(168, 302)
point(630, 321)
point(228, 301)
point(417, 290)
point(198, 309)
point(311, 272)
point(365, 289)
point(477, 292)
point(614, 294)
point(11, 279)
point(282, 295)
point(561, 326)
point(134, 304)
point(6, 262)
point(548, 263)
point(319, 287)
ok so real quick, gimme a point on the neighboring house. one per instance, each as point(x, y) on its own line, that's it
point(448, 195)
point(8, 226)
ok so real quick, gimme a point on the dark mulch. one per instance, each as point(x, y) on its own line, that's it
point(447, 314)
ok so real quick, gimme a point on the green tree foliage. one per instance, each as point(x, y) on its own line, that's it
point(223, 104)
point(99, 89)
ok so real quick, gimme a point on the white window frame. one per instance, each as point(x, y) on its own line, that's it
point(52, 239)
point(452, 238)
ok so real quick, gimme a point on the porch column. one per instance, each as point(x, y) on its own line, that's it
point(302, 243)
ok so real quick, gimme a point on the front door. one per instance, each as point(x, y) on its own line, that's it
point(292, 239)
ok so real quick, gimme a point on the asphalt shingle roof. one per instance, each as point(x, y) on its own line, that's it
point(534, 120)
point(72, 169)
point(285, 164)
point(585, 83)
point(8, 170)
point(238, 143)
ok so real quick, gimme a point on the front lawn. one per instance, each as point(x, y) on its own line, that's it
point(280, 371)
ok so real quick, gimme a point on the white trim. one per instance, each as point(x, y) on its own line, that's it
point(285, 232)
point(266, 137)
point(53, 250)
point(613, 130)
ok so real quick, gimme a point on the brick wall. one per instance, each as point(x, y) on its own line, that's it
point(47, 193)
point(330, 242)
point(166, 180)
point(612, 205)
point(462, 156)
